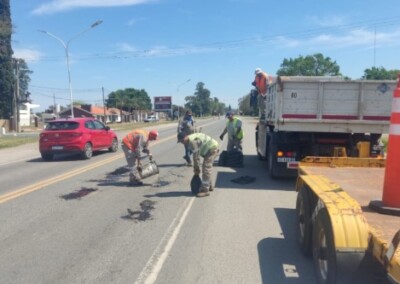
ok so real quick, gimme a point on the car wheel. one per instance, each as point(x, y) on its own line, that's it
point(87, 151)
point(47, 156)
point(114, 145)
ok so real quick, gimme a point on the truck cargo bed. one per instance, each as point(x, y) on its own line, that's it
point(364, 185)
point(329, 104)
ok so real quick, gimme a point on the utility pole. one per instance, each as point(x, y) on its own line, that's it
point(54, 104)
point(104, 107)
point(66, 49)
point(16, 97)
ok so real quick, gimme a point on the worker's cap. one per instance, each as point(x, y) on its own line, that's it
point(257, 71)
point(181, 136)
point(229, 114)
point(153, 134)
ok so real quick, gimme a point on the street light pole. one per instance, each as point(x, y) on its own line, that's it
point(66, 48)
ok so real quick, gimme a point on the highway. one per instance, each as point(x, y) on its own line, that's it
point(79, 221)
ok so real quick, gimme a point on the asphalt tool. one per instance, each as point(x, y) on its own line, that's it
point(149, 169)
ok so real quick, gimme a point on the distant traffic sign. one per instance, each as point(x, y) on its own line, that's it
point(162, 103)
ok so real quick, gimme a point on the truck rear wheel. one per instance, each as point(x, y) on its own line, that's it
point(331, 265)
point(271, 162)
point(304, 222)
point(324, 249)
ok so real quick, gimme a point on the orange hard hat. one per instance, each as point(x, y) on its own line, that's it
point(153, 134)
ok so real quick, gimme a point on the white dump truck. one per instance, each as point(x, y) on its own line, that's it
point(321, 116)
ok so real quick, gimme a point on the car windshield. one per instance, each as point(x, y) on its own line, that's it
point(62, 125)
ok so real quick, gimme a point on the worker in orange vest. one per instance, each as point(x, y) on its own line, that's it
point(261, 82)
point(134, 144)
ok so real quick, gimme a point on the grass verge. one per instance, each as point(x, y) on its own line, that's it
point(13, 141)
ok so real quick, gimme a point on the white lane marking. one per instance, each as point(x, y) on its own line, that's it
point(153, 267)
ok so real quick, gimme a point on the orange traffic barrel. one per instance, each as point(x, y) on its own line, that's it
point(390, 203)
point(391, 189)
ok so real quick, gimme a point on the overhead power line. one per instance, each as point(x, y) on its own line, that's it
point(230, 44)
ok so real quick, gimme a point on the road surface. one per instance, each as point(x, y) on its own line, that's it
point(79, 221)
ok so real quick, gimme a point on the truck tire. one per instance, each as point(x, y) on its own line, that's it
point(324, 249)
point(304, 221)
point(259, 156)
point(271, 161)
point(331, 265)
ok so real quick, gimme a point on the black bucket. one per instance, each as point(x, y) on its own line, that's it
point(195, 184)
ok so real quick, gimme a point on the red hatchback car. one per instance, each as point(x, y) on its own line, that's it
point(76, 135)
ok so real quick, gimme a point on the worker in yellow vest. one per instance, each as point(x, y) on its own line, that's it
point(201, 145)
point(134, 144)
point(235, 132)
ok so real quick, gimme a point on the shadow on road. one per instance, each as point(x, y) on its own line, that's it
point(253, 168)
point(278, 264)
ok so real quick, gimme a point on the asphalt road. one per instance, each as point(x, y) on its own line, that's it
point(75, 221)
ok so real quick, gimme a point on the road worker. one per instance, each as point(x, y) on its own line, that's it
point(235, 132)
point(206, 147)
point(134, 144)
point(261, 82)
point(187, 126)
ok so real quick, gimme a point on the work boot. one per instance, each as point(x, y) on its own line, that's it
point(211, 188)
point(203, 194)
point(134, 181)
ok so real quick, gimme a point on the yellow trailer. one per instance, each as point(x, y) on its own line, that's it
point(336, 225)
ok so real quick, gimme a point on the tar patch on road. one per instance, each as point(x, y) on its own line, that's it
point(142, 215)
point(78, 194)
point(161, 183)
point(119, 171)
point(244, 180)
point(112, 177)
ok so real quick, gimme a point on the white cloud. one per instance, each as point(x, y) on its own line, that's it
point(127, 50)
point(286, 42)
point(126, 47)
point(353, 38)
point(29, 55)
point(64, 5)
point(328, 21)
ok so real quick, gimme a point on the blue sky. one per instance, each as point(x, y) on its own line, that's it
point(167, 46)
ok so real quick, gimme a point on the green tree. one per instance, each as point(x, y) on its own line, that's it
point(200, 102)
point(23, 77)
point(217, 107)
point(380, 74)
point(6, 71)
point(129, 99)
point(245, 108)
point(310, 65)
